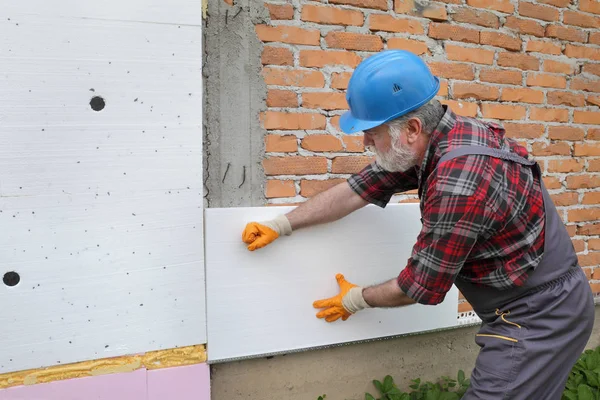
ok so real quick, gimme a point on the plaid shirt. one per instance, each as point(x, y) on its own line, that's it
point(482, 216)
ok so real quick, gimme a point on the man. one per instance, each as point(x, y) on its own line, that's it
point(489, 227)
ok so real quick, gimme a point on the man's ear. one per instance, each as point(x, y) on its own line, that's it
point(414, 128)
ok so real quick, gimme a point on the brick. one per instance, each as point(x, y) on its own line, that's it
point(593, 100)
point(503, 111)
point(587, 117)
point(475, 91)
point(538, 46)
point(586, 150)
point(552, 182)
point(580, 19)
point(288, 34)
point(498, 5)
point(521, 61)
point(335, 122)
point(353, 143)
point(558, 67)
point(462, 108)
point(565, 133)
point(339, 80)
point(594, 38)
point(281, 98)
point(590, 259)
point(589, 229)
point(354, 41)
point(522, 95)
point(293, 77)
point(349, 164)
point(565, 33)
point(452, 70)
point(547, 80)
point(583, 182)
point(591, 6)
point(594, 165)
point(566, 99)
point(584, 215)
point(579, 246)
point(280, 11)
point(321, 58)
point(525, 26)
point(324, 100)
point(593, 69)
point(585, 84)
point(564, 199)
point(556, 3)
point(453, 32)
point(331, 15)
point(387, 23)
point(465, 307)
point(501, 76)
point(295, 165)
point(310, 188)
point(591, 198)
point(554, 149)
point(595, 287)
point(537, 11)
point(277, 56)
point(375, 4)
point(293, 121)
point(549, 114)
point(565, 166)
point(576, 51)
point(596, 272)
point(281, 144)
point(443, 88)
point(467, 54)
point(414, 46)
point(524, 131)
point(476, 17)
point(276, 189)
point(229, 2)
point(321, 143)
point(500, 40)
point(593, 134)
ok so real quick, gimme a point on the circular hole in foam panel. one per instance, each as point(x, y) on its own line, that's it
point(97, 103)
point(11, 278)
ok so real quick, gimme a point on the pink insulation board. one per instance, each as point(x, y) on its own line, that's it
point(181, 383)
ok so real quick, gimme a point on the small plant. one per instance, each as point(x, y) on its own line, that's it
point(322, 397)
point(584, 380)
point(445, 389)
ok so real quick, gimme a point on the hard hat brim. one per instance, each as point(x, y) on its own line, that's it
point(349, 124)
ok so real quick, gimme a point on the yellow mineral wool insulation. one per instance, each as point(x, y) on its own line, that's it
point(151, 360)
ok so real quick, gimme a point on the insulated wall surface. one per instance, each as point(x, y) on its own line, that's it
point(101, 246)
point(261, 302)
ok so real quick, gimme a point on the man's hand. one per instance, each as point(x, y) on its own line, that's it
point(349, 301)
point(260, 234)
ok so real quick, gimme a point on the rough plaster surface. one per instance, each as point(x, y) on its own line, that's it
point(234, 97)
point(346, 372)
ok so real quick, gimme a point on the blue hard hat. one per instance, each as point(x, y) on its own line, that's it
point(386, 86)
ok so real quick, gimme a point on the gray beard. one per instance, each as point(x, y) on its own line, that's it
point(397, 159)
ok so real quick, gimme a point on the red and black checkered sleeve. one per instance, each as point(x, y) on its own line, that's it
point(377, 186)
point(451, 226)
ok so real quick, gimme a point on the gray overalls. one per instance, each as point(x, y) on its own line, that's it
point(530, 336)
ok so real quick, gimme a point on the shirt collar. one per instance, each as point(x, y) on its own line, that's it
point(432, 154)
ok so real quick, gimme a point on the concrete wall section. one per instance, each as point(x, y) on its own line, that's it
point(346, 372)
point(235, 95)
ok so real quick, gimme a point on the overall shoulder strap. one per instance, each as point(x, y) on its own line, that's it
point(486, 151)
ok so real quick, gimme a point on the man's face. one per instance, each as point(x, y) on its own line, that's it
point(393, 155)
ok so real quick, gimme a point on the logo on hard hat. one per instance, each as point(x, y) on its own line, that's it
point(397, 88)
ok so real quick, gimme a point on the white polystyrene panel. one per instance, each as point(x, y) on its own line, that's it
point(261, 302)
point(101, 212)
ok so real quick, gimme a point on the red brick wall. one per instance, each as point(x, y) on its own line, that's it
point(533, 66)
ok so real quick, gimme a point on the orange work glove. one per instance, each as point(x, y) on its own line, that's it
point(349, 301)
point(260, 234)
